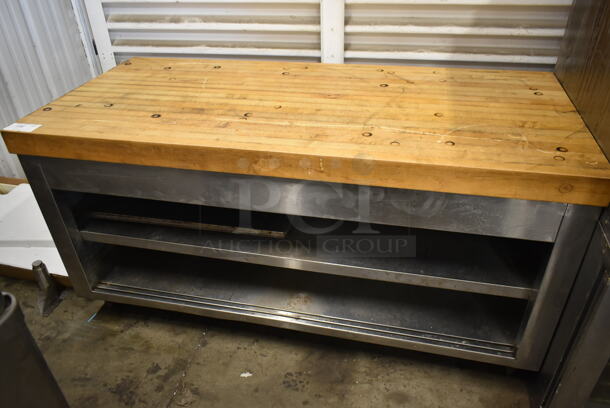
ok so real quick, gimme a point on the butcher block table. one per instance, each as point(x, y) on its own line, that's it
point(230, 189)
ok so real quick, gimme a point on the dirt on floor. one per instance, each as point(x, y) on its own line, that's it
point(111, 355)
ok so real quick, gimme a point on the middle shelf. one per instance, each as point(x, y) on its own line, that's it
point(448, 260)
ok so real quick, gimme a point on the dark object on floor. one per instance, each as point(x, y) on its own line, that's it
point(25, 378)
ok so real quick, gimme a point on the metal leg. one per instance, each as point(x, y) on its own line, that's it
point(50, 292)
point(588, 356)
point(57, 227)
point(580, 348)
point(565, 260)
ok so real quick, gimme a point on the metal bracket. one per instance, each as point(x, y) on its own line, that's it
point(604, 223)
point(50, 292)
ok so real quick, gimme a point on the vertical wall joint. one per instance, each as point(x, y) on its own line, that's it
point(332, 26)
point(99, 28)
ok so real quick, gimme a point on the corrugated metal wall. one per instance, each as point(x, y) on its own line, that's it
point(41, 58)
point(271, 29)
point(503, 33)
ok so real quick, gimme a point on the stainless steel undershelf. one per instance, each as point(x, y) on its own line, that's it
point(373, 311)
point(493, 253)
point(462, 262)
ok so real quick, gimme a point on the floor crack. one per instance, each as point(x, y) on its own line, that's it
point(180, 385)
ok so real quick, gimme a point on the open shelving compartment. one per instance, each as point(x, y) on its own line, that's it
point(446, 292)
point(380, 311)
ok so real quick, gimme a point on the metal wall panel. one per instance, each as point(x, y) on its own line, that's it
point(217, 29)
point(482, 33)
point(41, 58)
point(584, 66)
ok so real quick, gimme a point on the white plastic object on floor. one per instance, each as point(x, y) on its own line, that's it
point(24, 236)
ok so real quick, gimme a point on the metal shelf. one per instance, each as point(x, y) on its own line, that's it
point(460, 262)
point(441, 321)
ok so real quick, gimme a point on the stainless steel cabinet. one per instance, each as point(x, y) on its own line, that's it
point(480, 278)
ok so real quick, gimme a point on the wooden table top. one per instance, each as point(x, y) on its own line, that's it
point(496, 133)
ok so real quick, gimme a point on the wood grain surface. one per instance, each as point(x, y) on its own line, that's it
point(496, 133)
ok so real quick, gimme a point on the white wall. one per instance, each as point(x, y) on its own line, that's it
point(41, 57)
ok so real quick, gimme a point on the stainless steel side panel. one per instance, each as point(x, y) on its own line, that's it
point(562, 268)
point(533, 220)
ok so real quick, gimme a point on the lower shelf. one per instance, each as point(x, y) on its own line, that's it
point(427, 319)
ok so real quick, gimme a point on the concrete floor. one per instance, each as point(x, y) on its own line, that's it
point(110, 355)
